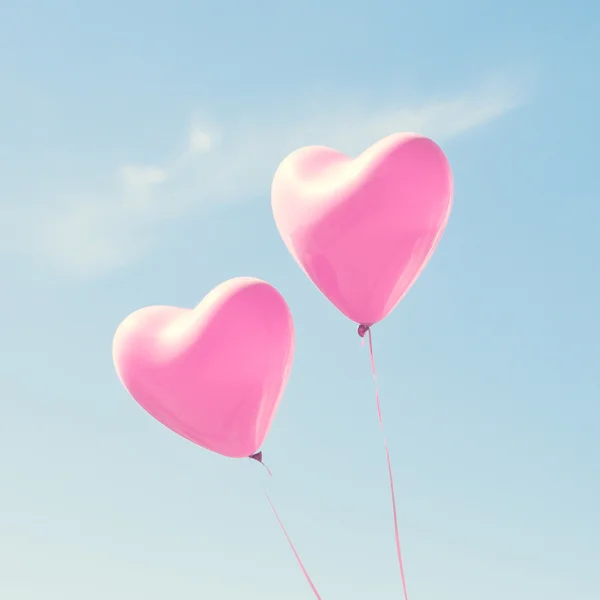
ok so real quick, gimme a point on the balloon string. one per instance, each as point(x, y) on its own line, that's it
point(389, 462)
point(258, 458)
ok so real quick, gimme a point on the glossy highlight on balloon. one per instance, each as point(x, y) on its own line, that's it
point(214, 374)
point(363, 229)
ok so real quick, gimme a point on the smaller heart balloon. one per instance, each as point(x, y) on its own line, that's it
point(363, 229)
point(215, 374)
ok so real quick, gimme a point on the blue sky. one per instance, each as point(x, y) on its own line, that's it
point(138, 144)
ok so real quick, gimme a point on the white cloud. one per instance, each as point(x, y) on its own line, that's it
point(92, 235)
point(200, 141)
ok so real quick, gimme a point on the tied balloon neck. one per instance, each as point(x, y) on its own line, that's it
point(258, 458)
point(362, 330)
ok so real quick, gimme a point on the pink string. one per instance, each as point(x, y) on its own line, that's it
point(361, 331)
point(258, 458)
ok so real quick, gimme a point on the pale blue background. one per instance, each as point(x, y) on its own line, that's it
point(489, 369)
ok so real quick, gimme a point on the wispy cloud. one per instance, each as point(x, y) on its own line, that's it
point(90, 235)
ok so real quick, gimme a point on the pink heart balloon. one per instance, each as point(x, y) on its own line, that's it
point(215, 374)
point(363, 229)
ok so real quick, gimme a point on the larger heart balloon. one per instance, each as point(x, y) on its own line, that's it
point(215, 374)
point(363, 229)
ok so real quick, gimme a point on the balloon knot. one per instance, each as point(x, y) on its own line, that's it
point(362, 330)
point(257, 457)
